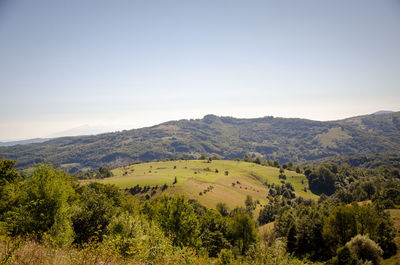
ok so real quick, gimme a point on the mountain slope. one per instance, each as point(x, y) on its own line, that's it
point(284, 139)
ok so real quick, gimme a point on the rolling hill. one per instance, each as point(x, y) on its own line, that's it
point(299, 140)
point(208, 182)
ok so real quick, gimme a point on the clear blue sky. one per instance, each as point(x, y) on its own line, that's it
point(128, 64)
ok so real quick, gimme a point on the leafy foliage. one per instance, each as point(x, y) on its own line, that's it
point(43, 205)
point(365, 249)
point(242, 231)
point(274, 254)
point(111, 225)
point(98, 203)
point(134, 235)
point(178, 220)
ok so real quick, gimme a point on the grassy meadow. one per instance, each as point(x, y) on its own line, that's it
point(208, 182)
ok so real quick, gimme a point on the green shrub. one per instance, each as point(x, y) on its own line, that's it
point(365, 249)
point(178, 220)
point(44, 206)
point(345, 257)
point(274, 254)
point(225, 257)
point(134, 236)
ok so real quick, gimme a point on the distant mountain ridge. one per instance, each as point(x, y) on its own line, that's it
point(299, 140)
point(383, 112)
point(81, 131)
point(27, 141)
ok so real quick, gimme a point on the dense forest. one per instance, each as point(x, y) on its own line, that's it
point(298, 140)
point(49, 217)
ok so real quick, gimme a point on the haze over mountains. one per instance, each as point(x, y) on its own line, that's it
point(87, 129)
point(76, 131)
point(298, 140)
point(27, 141)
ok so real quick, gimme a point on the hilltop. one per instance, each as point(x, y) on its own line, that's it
point(209, 182)
point(299, 140)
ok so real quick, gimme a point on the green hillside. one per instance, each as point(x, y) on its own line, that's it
point(298, 140)
point(367, 161)
point(216, 181)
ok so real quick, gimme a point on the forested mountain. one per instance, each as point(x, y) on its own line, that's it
point(299, 140)
point(366, 161)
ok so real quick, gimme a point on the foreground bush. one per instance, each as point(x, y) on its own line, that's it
point(365, 249)
point(274, 254)
point(135, 236)
point(17, 251)
point(27, 252)
point(43, 204)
